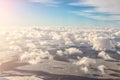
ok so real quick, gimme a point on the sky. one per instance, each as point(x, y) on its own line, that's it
point(60, 13)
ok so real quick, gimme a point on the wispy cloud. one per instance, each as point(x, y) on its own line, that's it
point(111, 7)
point(46, 2)
point(99, 16)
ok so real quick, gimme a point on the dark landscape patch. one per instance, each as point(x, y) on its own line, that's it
point(58, 67)
point(118, 71)
point(97, 75)
point(48, 76)
point(112, 60)
point(118, 64)
point(115, 75)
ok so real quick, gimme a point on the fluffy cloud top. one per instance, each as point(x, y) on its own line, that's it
point(102, 43)
point(60, 53)
point(85, 69)
point(35, 57)
point(68, 52)
point(102, 68)
point(117, 33)
point(15, 48)
point(71, 51)
point(105, 56)
point(85, 61)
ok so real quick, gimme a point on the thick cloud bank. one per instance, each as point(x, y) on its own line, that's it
point(38, 43)
point(58, 50)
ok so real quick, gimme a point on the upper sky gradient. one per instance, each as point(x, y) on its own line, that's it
point(60, 12)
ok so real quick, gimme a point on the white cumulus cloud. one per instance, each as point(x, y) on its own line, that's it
point(35, 57)
point(85, 61)
point(105, 56)
point(103, 43)
point(102, 68)
point(71, 51)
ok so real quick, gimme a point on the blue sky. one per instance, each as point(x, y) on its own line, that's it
point(60, 12)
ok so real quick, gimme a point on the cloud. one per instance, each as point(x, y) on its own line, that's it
point(15, 48)
point(85, 69)
point(56, 36)
point(46, 2)
point(3, 78)
point(84, 63)
point(118, 44)
point(105, 56)
point(60, 53)
point(117, 33)
point(103, 43)
point(31, 45)
point(35, 57)
point(111, 7)
point(101, 68)
point(71, 51)
point(96, 17)
point(118, 52)
point(69, 43)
